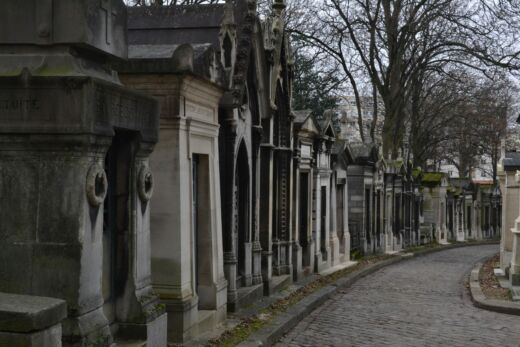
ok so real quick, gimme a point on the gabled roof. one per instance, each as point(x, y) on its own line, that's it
point(326, 126)
point(305, 121)
point(340, 147)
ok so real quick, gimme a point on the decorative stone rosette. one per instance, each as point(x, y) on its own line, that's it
point(96, 185)
point(145, 183)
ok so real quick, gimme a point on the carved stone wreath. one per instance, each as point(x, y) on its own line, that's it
point(145, 183)
point(96, 185)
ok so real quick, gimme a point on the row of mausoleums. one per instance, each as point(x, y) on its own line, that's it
point(155, 176)
point(458, 209)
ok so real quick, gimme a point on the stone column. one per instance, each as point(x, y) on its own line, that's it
point(317, 222)
point(266, 211)
point(514, 271)
point(346, 230)
point(227, 176)
point(297, 256)
point(333, 231)
point(257, 247)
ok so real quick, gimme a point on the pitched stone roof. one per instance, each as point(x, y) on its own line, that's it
point(198, 59)
point(174, 24)
point(301, 116)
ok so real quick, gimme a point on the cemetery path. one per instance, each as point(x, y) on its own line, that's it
point(420, 302)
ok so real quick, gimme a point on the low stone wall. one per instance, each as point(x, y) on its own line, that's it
point(28, 321)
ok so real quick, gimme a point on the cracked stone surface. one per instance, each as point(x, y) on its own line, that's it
point(419, 302)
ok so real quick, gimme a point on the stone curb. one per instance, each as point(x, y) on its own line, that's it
point(479, 299)
point(282, 323)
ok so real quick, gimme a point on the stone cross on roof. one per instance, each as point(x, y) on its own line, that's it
point(106, 5)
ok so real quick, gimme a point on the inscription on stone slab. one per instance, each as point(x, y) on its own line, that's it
point(306, 151)
point(20, 105)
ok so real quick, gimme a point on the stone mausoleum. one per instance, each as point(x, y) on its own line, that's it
point(75, 177)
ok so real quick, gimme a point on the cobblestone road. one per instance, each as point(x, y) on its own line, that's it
point(420, 302)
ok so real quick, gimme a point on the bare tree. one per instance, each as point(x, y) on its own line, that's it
point(398, 40)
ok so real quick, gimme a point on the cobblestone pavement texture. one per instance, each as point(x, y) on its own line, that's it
point(420, 302)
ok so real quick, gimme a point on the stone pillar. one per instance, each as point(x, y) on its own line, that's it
point(282, 244)
point(266, 210)
point(388, 222)
point(333, 231)
point(257, 247)
point(297, 256)
point(227, 175)
point(346, 230)
point(514, 271)
point(317, 222)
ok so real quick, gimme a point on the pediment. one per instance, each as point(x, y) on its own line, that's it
point(310, 126)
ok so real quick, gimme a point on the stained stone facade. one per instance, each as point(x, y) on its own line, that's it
point(361, 182)
point(74, 169)
point(189, 280)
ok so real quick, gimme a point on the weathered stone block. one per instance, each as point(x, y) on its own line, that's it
point(12, 280)
point(23, 313)
point(94, 24)
point(50, 337)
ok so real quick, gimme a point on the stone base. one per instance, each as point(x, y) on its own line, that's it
point(278, 283)
point(50, 337)
point(320, 264)
point(334, 252)
point(209, 320)
point(182, 319)
point(154, 333)
point(338, 268)
point(297, 262)
point(245, 296)
point(514, 279)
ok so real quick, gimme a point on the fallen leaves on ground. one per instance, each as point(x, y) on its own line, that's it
point(489, 283)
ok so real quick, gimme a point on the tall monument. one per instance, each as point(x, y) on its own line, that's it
point(74, 175)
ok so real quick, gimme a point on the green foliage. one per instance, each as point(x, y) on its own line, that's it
point(313, 89)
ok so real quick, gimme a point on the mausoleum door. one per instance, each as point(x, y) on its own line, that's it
point(118, 163)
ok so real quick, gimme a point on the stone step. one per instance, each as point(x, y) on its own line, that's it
point(515, 292)
point(246, 295)
point(337, 268)
point(499, 272)
point(133, 343)
point(207, 320)
point(280, 282)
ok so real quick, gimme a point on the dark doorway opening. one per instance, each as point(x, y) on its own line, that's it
point(241, 212)
point(323, 229)
point(116, 220)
